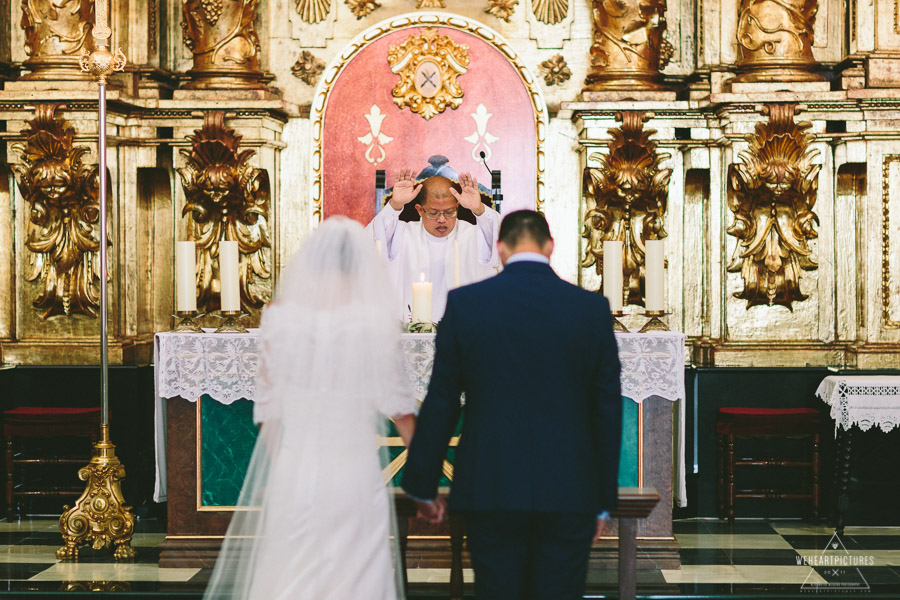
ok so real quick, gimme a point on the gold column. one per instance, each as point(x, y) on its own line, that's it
point(775, 40)
point(224, 43)
point(56, 32)
point(629, 48)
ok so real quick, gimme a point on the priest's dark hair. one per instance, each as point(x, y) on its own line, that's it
point(524, 224)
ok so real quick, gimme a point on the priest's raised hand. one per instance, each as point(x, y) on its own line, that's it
point(405, 188)
point(470, 197)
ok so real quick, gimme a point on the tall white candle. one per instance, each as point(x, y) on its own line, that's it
point(421, 301)
point(185, 277)
point(456, 262)
point(654, 275)
point(612, 274)
point(229, 276)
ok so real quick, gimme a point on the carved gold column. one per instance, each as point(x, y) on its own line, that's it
point(629, 48)
point(56, 32)
point(775, 40)
point(225, 45)
point(625, 200)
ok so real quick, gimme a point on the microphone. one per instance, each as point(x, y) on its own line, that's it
point(496, 193)
point(484, 162)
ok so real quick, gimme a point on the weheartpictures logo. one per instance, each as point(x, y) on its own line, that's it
point(834, 569)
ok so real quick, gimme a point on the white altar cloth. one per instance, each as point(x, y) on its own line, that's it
point(864, 400)
point(223, 366)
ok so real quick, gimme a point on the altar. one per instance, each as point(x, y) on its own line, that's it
point(206, 383)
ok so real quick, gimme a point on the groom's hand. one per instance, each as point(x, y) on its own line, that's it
point(432, 511)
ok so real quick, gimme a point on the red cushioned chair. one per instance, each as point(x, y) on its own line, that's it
point(45, 422)
point(735, 422)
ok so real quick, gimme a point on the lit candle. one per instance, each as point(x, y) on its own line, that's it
point(421, 301)
point(229, 277)
point(185, 277)
point(612, 274)
point(456, 262)
point(654, 275)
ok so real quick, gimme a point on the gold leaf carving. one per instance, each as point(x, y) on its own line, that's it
point(63, 231)
point(430, 4)
point(775, 39)
point(362, 8)
point(550, 11)
point(313, 11)
point(502, 9)
point(773, 193)
point(308, 67)
point(428, 65)
point(227, 199)
point(626, 198)
point(555, 70)
point(886, 241)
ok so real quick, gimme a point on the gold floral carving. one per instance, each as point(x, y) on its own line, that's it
point(550, 12)
point(889, 323)
point(625, 199)
point(308, 68)
point(629, 47)
point(362, 8)
point(56, 32)
point(555, 70)
point(775, 40)
point(430, 4)
point(224, 43)
point(63, 232)
point(773, 191)
point(227, 199)
point(428, 65)
point(502, 9)
point(313, 11)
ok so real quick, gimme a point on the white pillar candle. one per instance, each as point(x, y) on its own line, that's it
point(456, 262)
point(612, 274)
point(421, 301)
point(378, 247)
point(185, 277)
point(229, 277)
point(654, 275)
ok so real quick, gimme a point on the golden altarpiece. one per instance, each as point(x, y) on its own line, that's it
point(759, 139)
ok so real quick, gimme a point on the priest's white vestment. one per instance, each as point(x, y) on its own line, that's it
point(412, 253)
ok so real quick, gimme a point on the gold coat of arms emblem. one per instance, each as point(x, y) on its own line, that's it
point(428, 65)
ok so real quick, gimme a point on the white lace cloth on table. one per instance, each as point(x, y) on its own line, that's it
point(863, 400)
point(223, 366)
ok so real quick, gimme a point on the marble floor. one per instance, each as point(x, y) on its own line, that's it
point(751, 559)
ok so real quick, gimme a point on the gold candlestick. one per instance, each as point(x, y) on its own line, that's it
point(617, 324)
point(655, 323)
point(186, 323)
point(232, 323)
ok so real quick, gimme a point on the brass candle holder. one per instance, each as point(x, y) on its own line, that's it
point(185, 322)
point(617, 324)
point(232, 323)
point(655, 323)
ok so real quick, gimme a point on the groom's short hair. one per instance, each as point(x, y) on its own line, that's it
point(524, 224)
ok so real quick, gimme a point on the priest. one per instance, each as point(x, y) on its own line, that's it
point(439, 247)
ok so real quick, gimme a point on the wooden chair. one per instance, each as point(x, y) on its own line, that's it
point(45, 422)
point(769, 423)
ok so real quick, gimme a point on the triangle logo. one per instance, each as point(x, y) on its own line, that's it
point(835, 569)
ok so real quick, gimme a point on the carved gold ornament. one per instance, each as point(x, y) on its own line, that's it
point(430, 4)
point(227, 199)
point(428, 65)
point(502, 9)
point(773, 193)
point(56, 32)
point(629, 47)
point(550, 12)
point(625, 199)
point(64, 216)
point(362, 8)
point(313, 11)
point(308, 68)
point(775, 40)
point(555, 70)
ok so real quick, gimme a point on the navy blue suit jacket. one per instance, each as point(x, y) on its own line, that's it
point(538, 362)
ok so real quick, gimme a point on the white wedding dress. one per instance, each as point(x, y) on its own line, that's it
point(315, 520)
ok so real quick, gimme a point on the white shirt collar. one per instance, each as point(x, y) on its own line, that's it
point(527, 257)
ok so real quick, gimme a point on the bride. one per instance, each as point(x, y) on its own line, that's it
point(314, 519)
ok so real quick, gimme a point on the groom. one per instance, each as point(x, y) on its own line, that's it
point(536, 468)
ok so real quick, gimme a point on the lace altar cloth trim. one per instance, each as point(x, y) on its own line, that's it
point(223, 366)
point(862, 400)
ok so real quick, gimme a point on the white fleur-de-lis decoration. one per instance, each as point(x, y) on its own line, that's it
point(481, 138)
point(375, 140)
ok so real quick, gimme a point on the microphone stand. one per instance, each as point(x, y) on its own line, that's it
point(496, 190)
